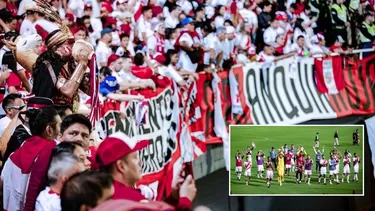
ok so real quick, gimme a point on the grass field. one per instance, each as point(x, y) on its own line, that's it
point(266, 137)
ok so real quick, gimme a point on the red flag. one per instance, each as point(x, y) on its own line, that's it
point(329, 75)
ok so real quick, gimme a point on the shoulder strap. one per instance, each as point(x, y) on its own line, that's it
point(51, 72)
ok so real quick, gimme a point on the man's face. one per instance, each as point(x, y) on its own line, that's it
point(148, 14)
point(15, 107)
point(117, 65)
point(174, 59)
point(56, 128)
point(221, 36)
point(108, 37)
point(126, 64)
point(80, 35)
point(55, 3)
point(275, 24)
point(201, 14)
point(133, 167)
point(77, 133)
point(2, 4)
point(125, 42)
point(301, 42)
point(267, 8)
point(81, 154)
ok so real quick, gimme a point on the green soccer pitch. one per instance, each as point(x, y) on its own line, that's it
point(266, 137)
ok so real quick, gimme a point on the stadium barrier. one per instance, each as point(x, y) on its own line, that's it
point(180, 122)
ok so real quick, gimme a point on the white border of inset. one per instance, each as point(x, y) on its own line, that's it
point(362, 160)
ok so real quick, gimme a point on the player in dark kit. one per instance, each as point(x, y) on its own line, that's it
point(336, 138)
point(356, 138)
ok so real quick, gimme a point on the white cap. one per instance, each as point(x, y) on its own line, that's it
point(230, 29)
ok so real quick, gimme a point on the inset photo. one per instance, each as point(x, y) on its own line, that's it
point(301, 160)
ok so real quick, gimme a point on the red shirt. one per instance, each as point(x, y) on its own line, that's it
point(12, 8)
point(300, 8)
point(15, 81)
point(125, 192)
point(238, 161)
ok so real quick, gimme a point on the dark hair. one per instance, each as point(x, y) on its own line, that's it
point(123, 35)
point(168, 58)
point(228, 21)
point(293, 6)
point(9, 99)
point(84, 188)
point(139, 59)
point(11, 36)
point(169, 32)
point(125, 56)
point(65, 147)
point(307, 7)
point(298, 24)
point(73, 119)
point(45, 117)
point(146, 8)
point(173, 7)
point(105, 71)
point(39, 66)
point(299, 37)
point(265, 4)
point(61, 110)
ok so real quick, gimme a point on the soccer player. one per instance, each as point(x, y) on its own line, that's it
point(239, 158)
point(293, 152)
point(308, 167)
point(356, 137)
point(317, 140)
point(280, 168)
point(338, 157)
point(332, 168)
point(288, 162)
point(273, 156)
point(259, 159)
point(346, 171)
point(323, 169)
point(299, 166)
point(248, 169)
point(269, 175)
point(356, 162)
point(318, 157)
point(336, 138)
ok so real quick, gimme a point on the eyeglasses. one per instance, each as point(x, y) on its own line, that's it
point(16, 107)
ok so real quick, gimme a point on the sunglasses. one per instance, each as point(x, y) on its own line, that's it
point(16, 107)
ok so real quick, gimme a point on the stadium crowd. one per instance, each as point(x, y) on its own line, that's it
point(138, 45)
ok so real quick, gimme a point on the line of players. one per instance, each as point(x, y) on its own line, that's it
point(297, 163)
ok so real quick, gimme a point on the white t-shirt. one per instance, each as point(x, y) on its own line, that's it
point(103, 51)
point(27, 27)
point(170, 72)
point(269, 36)
point(171, 22)
point(144, 26)
point(185, 5)
point(4, 122)
point(211, 42)
point(184, 60)
point(266, 58)
point(249, 17)
point(77, 6)
point(48, 201)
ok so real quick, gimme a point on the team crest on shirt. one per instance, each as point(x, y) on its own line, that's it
point(328, 77)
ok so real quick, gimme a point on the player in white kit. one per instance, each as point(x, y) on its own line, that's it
point(346, 171)
point(323, 169)
point(356, 161)
point(248, 165)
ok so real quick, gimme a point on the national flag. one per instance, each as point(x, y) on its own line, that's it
point(329, 75)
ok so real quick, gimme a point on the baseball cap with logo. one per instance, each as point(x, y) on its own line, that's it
point(117, 146)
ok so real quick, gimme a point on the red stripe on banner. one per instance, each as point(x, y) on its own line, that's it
point(244, 118)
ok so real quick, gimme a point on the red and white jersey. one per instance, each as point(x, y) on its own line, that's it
point(48, 200)
point(269, 36)
point(238, 161)
point(289, 157)
point(247, 165)
point(346, 161)
point(355, 161)
point(262, 57)
point(323, 162)
point(156, 44)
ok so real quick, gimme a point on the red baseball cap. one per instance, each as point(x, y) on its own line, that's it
point(117, 146)
point(74, 30)
point(112, 58)
point(88, 6)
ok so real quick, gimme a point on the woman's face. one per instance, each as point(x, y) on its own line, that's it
point(80, 35)
point(87, 23)
point(280, 39)
point(222, 10)
point(174, 59)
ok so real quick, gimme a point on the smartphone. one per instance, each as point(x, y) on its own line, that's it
point(188, 169)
